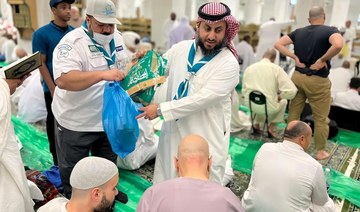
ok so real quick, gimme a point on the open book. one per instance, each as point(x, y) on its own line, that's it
point(22, 66)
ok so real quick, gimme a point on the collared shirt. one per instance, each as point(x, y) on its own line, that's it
point(348, 99)
point(285, 178)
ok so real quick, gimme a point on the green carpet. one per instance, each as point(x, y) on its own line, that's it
point(36, 156)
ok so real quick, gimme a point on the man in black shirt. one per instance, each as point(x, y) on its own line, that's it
point(314, 46)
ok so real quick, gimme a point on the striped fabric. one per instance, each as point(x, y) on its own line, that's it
point(214, 8)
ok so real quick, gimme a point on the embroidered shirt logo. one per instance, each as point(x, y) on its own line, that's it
point(93, 48)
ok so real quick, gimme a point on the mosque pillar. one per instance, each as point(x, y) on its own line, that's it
point(339, 14)
point(253, 9)
point(158, 19)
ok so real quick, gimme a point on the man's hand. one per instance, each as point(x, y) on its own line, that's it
point(319, 64)
point(113, 75)
point(14, 83)
point(298, 63)
point(149, 112)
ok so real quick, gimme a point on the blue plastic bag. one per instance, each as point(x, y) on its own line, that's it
point(118, 118)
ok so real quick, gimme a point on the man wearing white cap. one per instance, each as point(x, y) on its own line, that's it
point(199, 90)
point(94, 181)
point(83, 61)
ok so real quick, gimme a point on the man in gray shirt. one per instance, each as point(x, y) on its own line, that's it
point(192, 191)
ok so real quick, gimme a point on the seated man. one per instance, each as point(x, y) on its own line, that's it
point(285, 177)
point(192, 191)
point(340, 78)
point(271, 80)
point(94, 187)
point(349, 99)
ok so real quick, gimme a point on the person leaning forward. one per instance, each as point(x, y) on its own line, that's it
point(84, 60)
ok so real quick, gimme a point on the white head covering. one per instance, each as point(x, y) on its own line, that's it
point(91, 172)
point(131, 39)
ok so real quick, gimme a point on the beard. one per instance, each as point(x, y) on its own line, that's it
point(105, 205)
point(205, 51)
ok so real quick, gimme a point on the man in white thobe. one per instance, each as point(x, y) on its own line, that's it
point(269, 33)
point(246, 53)
point(14, 190)
point(183, 31)
point(167, 27)
point(349, 99)
point(340, 78)
point(271, 80)
point(285, 178)
point(198, 96)
point(349, 36)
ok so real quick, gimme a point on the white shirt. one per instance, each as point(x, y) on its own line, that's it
point(167, 27)
point(206, 111)
point(284, 179)
point(269, 33)
point(82, 110)
point(348, 99)
point(270, 79)
point(349, 36)
point(246, 53)
point(182, 31)
point(340, 79)
point(55, 205)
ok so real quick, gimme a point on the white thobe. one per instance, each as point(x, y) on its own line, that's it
point(246, 53)
point(14, 190)
point(167, 27)
point(183, 31)
point(349, 36)
point(285, 178)
point(348, 99)
point(340, 79)
point(206, 111)
point(271, 80)
point(269, 33)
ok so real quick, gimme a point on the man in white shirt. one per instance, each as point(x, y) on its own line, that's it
point(349, 35)
point(246, 53)
point(340, 78)
point(285, 178)
point(349, 99)
point(271, 80)
point(269, 32)
point(94, 183)
point(192, 191)
point(167, 27)
point(183, 31)
point(83, 61)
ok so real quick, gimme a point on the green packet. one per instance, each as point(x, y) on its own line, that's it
point(144, 77)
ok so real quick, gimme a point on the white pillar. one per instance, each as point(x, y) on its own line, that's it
point(339, 14)
point(158, 19)
point(253, 10)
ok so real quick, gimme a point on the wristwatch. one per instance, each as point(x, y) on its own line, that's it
point(158, 111)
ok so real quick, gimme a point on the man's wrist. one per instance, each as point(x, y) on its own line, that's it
point(158, 110)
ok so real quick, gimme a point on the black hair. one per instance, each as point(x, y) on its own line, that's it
point(355, 82)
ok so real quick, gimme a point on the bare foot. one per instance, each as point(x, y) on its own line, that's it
point(322, 155)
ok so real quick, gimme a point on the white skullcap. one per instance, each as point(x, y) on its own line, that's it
point(131, 39)
point(91, 172)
